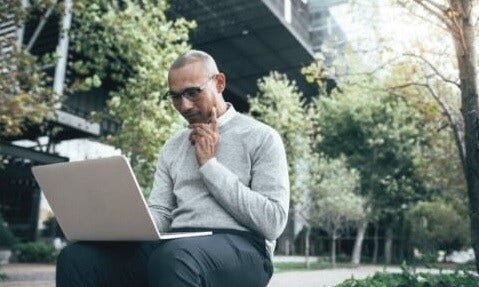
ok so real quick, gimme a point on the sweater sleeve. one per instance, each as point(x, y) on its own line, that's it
point(162, 200)
point(262, 207)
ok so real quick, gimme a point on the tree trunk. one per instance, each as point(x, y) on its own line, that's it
point(290, 228)
point(285, 242)
point(376, 243)
point(388, 245)
point(358, 244)
point(333, 248)
point(306, 245)
point(463, 35)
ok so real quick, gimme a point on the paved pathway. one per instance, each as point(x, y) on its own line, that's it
point(31, 275)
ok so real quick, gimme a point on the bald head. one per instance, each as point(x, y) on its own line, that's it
point(196, 56)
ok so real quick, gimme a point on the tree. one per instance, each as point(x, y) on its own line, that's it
point(335, 205)
point(26, 94)
point(436, 225)
point(447, 72)
point(125, 48)
point(380, 135)
point(457, 19)
point(279, 105)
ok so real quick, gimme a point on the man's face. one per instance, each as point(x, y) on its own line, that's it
point(193, 77)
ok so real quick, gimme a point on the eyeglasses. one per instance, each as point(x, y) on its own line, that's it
point(190, 93)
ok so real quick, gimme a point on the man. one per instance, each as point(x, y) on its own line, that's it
point(226, 172)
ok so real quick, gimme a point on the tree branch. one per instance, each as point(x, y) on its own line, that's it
point(428, 20)
point(440, 7)
point(435, 70)
point(373, 71)
point(454, 125)
point(438, 13)
point(447, 111)
point(417, 15)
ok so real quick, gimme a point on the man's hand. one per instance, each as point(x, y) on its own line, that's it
point(205, 137)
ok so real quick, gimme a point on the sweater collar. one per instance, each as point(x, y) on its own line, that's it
point(227, 116)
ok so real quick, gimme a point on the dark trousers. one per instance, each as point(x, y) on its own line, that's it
point(223, 259)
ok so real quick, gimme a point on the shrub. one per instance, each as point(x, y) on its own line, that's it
point(414, 280)
point(437, 226)
point(7, 239)
point(35, 252)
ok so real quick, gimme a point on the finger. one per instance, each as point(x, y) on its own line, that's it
point(194, 126)
point(197, 146)
point(204, 133)
point(206, 128)
point(213, 120)
point(200, 144)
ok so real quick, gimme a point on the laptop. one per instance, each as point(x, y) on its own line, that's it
point(100, 200)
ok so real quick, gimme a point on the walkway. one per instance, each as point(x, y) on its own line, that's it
point(31, 275)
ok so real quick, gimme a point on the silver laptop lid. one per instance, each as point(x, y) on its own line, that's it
point(97, 199)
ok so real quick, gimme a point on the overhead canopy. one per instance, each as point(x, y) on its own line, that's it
point(35, 157)
point(249, 39)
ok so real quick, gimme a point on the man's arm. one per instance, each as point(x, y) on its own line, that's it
point(263, 207)
point(162, 201)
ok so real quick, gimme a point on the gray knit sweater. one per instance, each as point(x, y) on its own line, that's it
point(245, 187)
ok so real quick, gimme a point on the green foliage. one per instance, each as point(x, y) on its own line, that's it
point(126, 49)
point(279, 105)
point(26, 95)
point(7, 239)
point(35, 252)
point(437, 226)
point(333, 187)
point(380, 135)
point(334, 204)
point(424, 74)
point(414, 280)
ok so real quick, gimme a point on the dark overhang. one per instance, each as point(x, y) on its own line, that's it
point(36, 157)
point(248, 38)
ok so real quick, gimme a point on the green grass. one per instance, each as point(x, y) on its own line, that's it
point(320, 265)
point(301, 266)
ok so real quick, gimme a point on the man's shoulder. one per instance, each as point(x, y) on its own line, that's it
point(258, 136)
point(252, 125)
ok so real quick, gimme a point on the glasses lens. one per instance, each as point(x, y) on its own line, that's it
point(173, 96)
point(191, 93)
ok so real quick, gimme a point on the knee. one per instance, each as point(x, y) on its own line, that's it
point(72, 267)
point(171, 262)
point(171, 255)
point(74, 255)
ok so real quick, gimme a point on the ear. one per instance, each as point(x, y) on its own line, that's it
point(220, 82)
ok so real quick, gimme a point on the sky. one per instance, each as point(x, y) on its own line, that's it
point(393, 24)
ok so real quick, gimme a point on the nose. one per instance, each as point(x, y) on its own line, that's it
point(185, 105)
